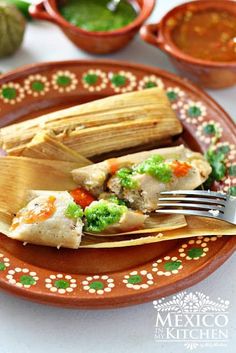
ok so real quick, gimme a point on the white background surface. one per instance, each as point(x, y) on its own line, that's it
point(28, 327)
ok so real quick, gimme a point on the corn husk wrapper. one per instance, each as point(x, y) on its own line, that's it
point(95, 243)
point(5, 222)
point(196, 226)
point(97, 127)
point(20, 174)
point(99, 140)
point(46, 146)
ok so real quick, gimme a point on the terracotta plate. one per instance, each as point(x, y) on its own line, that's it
point(113, 277)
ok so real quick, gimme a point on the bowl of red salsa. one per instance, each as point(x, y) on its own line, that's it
point(200, 39)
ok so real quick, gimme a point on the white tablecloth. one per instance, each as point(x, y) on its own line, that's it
point(27, 327)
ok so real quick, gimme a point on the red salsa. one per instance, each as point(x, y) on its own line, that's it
point(82, 197)
point(207, 34)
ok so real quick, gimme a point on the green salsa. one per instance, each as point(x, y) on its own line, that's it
point(156, 167)
point(113, 198)
point(126, 180)
point(100, 215)
point(73, 211)
point(93, 15)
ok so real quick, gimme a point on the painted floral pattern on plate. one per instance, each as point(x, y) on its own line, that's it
point(191, 112)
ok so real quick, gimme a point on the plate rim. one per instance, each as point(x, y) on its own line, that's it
point(201, 272)
point(131, 299)
point(30, 68)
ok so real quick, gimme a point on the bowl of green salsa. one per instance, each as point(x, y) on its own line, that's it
point(94, 16)
point(91, 26)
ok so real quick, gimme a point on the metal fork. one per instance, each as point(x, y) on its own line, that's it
point(209, 204)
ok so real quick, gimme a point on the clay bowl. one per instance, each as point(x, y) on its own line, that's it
point(205, 73)
point(93, 42)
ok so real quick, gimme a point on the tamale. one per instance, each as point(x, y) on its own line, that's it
point(43, 221)
point(102, 139)
point(94, 177)
point(97, 127)
point(54, 227)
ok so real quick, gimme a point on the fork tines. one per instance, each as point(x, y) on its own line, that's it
point(208, 203)
point(203, 193)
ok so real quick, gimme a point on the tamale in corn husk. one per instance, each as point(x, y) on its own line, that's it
point(99, 140)
point(90, 241)
point(21, 174)
point(108, 124)
point(39, 232)
point(196, 226)
point(55, 175)
point(46, 146)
